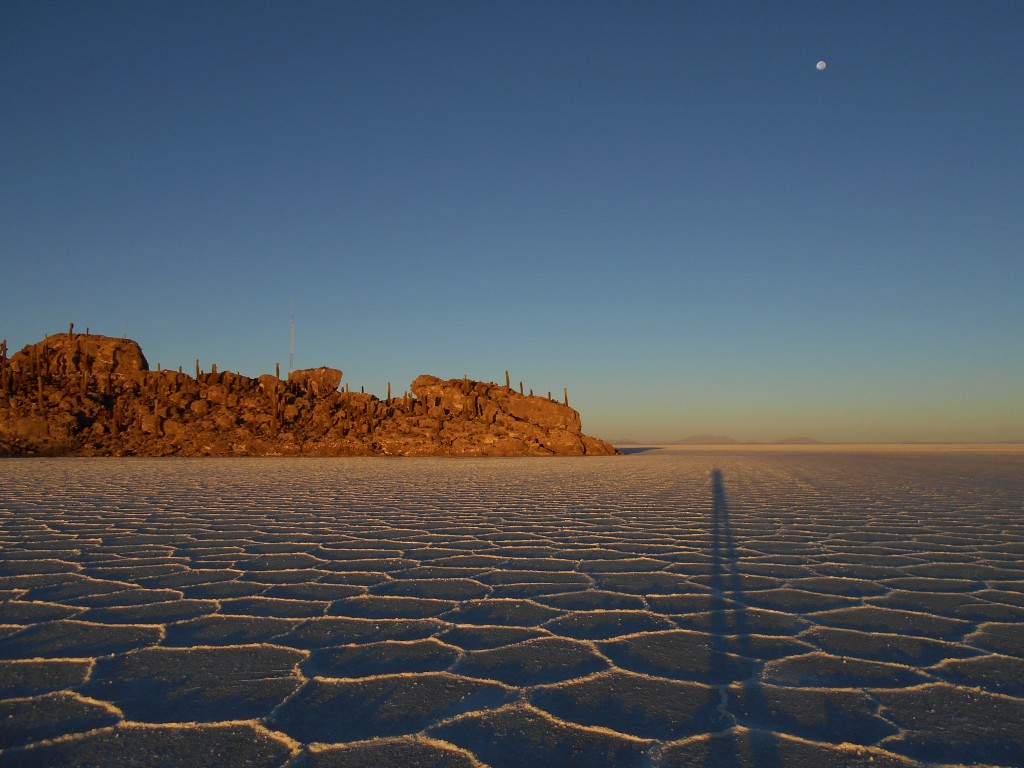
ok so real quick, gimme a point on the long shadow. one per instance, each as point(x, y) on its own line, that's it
point(730, 628)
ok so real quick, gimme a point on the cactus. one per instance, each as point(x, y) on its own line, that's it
point(520, 387)
point(197, 369)
point(389, 391)
point(277, 371)
point(508, 385)
point(566, 390)
point(71, 329)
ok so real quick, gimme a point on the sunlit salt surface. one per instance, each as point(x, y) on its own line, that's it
point(665, 608)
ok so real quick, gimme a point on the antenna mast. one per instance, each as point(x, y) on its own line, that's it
point(291, 349)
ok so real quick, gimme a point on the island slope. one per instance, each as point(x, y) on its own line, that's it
point(88, 395)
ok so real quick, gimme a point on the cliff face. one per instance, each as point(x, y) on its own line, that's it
point(87, 395)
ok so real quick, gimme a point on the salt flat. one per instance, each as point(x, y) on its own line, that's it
point(667, 608)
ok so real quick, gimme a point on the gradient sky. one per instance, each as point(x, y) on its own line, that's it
point(663, 206)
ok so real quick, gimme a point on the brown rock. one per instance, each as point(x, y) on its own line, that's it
point(152, 425)
point(95, 395)
point(316, 381)
point(70, 353)
point(543, 413)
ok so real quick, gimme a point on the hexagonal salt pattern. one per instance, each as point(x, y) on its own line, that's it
point(667, 608)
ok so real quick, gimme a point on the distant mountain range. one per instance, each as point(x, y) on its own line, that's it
point(707, 440)
point(726, 440)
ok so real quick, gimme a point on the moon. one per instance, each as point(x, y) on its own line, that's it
point(821, 65)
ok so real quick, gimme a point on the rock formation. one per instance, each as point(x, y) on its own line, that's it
point(86, 395)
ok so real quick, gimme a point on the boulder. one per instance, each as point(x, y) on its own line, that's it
point(316, 381)
point(65, 354)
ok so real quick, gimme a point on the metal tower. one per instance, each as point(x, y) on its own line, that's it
point(291, 349)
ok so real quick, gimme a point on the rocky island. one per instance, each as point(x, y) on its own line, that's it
point(78, 394)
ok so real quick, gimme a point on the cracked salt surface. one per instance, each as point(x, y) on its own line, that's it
point(668, 608)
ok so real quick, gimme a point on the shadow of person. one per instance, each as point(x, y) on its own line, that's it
point(731, 634)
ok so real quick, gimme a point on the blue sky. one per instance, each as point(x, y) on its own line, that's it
point(664, 207)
